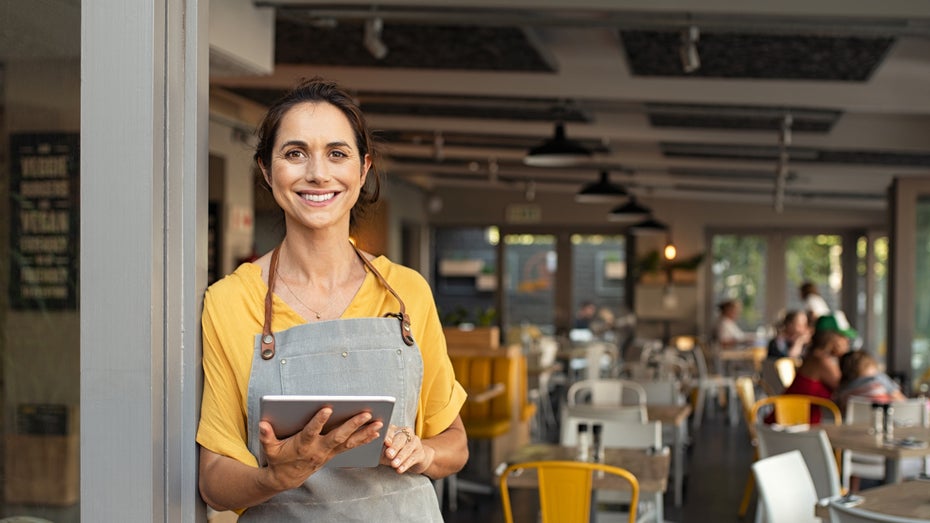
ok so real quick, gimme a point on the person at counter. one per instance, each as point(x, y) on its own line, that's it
point(814, 304)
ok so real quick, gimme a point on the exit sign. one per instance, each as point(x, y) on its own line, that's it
point(524, 213)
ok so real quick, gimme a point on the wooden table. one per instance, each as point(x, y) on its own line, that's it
point(910, 499)
point(859, 438)
point(755, 355)
point(675, 416)
point(651, 469)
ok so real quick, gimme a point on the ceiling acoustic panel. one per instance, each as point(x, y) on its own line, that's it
point(414, 46)
point(759, 56)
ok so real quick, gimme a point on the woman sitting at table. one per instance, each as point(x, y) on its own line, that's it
point(862, 378)
point(819, 373)
point(727, 332)
point(793, 336)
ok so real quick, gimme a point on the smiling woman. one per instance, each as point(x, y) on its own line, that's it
point(348, 323)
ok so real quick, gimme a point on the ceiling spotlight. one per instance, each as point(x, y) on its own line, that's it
point(372, 38)
point(690, 59)
point(629, 211)
point(557, 151)
point(601, 191)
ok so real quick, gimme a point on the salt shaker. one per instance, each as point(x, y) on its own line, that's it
point(878, 420)
point(584, 442)
point(888, 415)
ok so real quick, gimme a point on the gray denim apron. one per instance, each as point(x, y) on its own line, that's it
point(359, 356)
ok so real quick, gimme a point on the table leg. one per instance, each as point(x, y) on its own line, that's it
point(678, 461)
point(892, 470)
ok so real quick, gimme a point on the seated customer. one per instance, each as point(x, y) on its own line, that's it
point(727, 332)
point(863, 379)
point(793, 336)
point(819, 373)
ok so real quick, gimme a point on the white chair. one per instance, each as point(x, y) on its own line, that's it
point(786, 489)
point(606, 392)
point(872, 466)
point(814, 446)
point(599, 360)
point(662, 391)
point(840, 513)
point(708, 385)
point(621, 434)
point(542, 372)
point(616, 433)
point(634, 413)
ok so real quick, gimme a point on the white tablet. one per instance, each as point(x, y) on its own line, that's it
point(289, 414)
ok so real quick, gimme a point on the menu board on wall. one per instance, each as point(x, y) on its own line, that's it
point(44, 194)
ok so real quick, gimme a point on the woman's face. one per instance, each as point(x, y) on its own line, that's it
point(797, 326)
point(316, 172)
point(839, 345)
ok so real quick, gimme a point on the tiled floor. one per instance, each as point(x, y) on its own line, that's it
point(718, 463)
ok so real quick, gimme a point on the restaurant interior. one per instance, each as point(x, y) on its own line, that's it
point(646, 160)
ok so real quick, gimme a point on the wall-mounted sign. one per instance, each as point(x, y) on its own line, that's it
point(44, 194)
point(524, 213)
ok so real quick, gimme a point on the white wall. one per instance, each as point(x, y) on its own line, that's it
point(235, 146)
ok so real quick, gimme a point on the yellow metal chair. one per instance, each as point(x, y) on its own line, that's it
point(565, 489)
point(795, 409)
point(746, 390)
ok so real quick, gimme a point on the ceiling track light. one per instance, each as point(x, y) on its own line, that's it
point(372, 38)
point(601, 191)
point(690, 59)
point(630, 211)
point(557, 151)
point(781, 169)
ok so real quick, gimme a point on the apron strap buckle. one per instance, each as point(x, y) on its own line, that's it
point(406, 333)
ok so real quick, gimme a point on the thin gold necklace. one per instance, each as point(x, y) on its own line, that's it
point(294, 294)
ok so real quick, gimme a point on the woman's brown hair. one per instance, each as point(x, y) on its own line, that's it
point(318, 90)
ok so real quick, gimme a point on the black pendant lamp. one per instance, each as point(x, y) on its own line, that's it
point(630, 211)
point(649, 226)
point(557, 151)
point(601, 191)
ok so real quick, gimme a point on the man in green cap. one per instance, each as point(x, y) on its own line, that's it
point(837, 322)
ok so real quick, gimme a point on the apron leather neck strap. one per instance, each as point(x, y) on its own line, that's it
point(405, 333)
point(267, 336)
point(268, 343)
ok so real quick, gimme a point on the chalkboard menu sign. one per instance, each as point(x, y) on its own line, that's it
point(44, 192)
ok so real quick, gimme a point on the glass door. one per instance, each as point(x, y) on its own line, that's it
point(816, 259)
point(530, 264)
point(39, 250)
point(738, 267)
point(920, 345)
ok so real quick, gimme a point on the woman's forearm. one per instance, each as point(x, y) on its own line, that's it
point(450, 450)
point(226, 484)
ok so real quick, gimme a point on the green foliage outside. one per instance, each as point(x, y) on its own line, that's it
point(812, 258)
point(738, 265)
